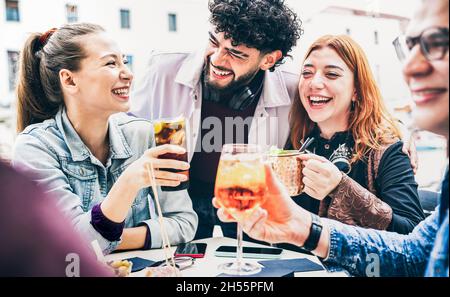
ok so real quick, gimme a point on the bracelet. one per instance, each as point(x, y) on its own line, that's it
point(315, 231)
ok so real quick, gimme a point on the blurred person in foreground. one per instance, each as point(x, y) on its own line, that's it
point(37, 240)
point(424, 52)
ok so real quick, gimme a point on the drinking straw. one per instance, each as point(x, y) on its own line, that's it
point(166, 244)
point(98, 251)
point(306, 144)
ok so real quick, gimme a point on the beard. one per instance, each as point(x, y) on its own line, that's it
point(233, 86)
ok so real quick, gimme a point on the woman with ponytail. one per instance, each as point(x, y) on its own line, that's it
point(76, 141)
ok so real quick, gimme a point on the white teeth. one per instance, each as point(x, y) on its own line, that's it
point(426, 92)
point(121, 91)
point(221, 73)
point(319, 99)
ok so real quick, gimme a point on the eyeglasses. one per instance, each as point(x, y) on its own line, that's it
point(180, 262)
point(433, 44)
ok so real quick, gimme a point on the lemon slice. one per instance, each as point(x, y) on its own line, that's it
point(157, 127)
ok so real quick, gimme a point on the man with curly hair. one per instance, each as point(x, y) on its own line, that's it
point(233, 85)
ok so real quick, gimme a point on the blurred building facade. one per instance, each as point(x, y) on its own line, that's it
point(139, 26)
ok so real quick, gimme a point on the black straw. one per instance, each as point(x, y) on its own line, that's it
point(306, 144)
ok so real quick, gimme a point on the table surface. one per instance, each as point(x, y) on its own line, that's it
point(207, 266)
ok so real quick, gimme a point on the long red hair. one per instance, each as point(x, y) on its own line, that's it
point(371, 124)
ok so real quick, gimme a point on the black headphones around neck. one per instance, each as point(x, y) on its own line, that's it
point(239, 101)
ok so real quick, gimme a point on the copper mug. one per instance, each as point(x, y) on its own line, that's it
point(288, 167)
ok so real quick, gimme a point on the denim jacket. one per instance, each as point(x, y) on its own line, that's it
point(366, 252)
point(56, 157)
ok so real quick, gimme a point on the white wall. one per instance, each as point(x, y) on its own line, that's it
point(149, 25)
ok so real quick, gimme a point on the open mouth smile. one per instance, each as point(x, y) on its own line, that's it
point(123, 93)
point(318, 102)
point(220, 74)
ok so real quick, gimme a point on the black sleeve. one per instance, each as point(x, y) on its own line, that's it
point(397, 187)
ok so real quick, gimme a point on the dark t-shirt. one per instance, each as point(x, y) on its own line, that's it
point(37, 240)
point(205, 162)
point(218, 128)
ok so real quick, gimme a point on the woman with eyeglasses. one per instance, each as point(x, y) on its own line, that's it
point(362, 251)
point(358, 173)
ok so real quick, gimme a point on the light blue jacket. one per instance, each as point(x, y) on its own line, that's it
point(56, 157)
point(365, 252)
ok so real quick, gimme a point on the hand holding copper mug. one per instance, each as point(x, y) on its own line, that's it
point(320, 176)
point(288, 167)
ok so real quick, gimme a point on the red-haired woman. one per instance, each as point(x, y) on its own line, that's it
point(358, 173)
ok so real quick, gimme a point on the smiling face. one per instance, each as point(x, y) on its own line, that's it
point(327, 89)
point(429, 80)
point(230, 67)
point(103, 81)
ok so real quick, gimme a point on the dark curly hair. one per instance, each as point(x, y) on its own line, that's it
point(266, 25)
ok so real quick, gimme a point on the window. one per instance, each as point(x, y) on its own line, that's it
point(376, 37)
point(125, 19)
point(172, 22)
point(130, 62)
point(13, 63)
point(72, 13)
point(12, 10)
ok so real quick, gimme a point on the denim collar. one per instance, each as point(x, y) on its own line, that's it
point(119, 147)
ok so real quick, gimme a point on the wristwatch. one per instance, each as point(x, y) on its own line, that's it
point(314, 234)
